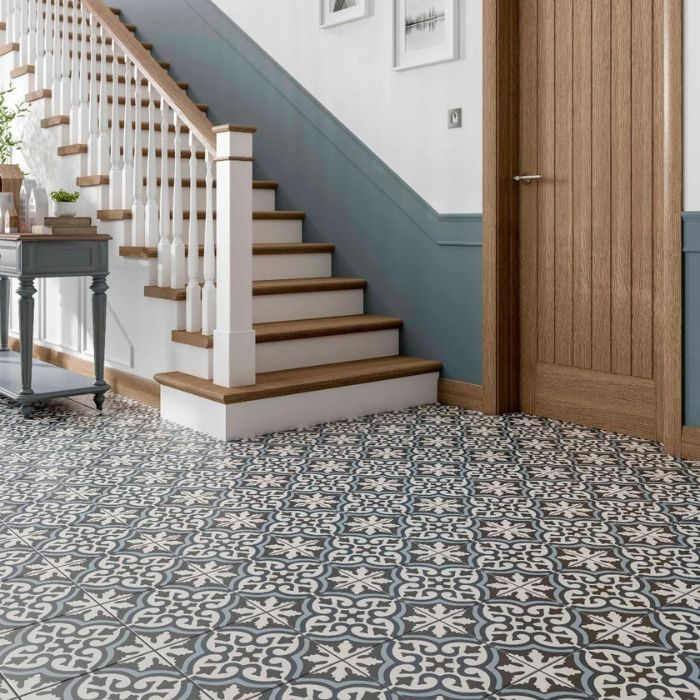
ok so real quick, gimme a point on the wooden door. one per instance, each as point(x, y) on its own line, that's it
point(591, 230)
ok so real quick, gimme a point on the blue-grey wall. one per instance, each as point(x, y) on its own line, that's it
point(422, 267)
point(691, 321)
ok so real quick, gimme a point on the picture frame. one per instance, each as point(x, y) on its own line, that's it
point(425, 32)
point(335, 12)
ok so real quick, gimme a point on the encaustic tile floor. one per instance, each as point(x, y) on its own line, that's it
point(431, 553)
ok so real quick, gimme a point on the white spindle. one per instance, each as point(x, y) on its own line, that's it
point(93, 105)
point(49, 25)
point(115, 173)
point(31, 31)
point(17, 20)
point(138, 217)
point(193, 319)
point(151, 213)
point(75, 82)
point(177, 271)
point(164, 253)
point(66, 48)
point(128, 140)
point(6, 17)
point(57, 60)
point(40, 46)
point(10, 21)
point(209, 290)
point(24, 33)
point(104, 162)
point(84, 81)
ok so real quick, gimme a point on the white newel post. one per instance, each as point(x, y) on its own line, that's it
point(234, 337)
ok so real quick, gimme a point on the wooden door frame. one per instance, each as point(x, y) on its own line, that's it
point(500, 253)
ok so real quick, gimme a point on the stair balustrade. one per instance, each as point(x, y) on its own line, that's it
point(129, 113)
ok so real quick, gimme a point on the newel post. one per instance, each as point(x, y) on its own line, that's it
point(234, 337)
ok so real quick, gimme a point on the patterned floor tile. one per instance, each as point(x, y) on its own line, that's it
point(241, 661)
point(147, 676)
point(25, 601)
point(429, 553)
point(38, 656)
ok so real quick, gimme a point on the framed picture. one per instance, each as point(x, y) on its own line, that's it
point(425, 32)
point(334, 12)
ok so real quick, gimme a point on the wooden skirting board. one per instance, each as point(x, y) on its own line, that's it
point(462, 394)
point(132, 387)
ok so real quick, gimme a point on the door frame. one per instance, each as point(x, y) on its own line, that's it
point(500, 252)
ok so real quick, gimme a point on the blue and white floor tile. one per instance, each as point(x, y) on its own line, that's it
point(431, 553)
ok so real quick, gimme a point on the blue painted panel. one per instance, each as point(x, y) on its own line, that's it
point(691, 320)
point(421, 266)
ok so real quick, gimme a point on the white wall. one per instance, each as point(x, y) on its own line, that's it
point(691, 92)
point(401, 116)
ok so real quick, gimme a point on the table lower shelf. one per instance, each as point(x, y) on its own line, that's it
point(48, 381)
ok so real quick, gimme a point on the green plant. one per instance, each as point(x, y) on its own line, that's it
point(63, 196)
point(8, 143)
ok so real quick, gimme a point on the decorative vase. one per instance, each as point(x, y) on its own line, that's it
point(67, 209)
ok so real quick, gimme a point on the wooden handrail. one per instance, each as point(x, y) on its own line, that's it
point(186, 109)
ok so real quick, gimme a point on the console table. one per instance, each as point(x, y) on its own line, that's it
point(27, 256)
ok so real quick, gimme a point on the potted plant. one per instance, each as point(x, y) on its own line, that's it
point(64, 203)
point(10, 174)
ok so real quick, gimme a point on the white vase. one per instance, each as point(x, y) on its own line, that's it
point(65, 208)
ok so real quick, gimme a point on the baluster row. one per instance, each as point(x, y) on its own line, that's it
point(70, 51)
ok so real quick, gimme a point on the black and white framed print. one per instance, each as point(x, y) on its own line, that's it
point(334, 12)
point(425, 32)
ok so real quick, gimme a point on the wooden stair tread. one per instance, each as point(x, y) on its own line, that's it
point(307, 285)
point(125, 214)
point(145, 252)
point(305, 328)
point(278, 215)
point(264, 288)
point(297, 381)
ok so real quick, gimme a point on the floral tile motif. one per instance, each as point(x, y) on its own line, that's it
point(146, 676)
point(428, 553)
point(38, 656)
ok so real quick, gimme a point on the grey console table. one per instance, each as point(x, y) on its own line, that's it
point(27, 256)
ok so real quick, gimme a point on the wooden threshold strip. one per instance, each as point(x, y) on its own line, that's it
point(297, 381)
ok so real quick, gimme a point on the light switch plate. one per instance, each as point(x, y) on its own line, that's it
point(454, 118)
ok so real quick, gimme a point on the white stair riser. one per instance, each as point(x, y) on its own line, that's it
point(277, 231)
point(309, 352)
point(292, 307)
point(303, 352)
point(264, 200)
point(232, 421)
point(278, 267)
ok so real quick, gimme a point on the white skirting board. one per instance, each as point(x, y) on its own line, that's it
point(240, 420)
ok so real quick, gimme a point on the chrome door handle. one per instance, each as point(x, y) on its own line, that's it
point(527, 179)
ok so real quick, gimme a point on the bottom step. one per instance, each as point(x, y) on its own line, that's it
point(298, 398)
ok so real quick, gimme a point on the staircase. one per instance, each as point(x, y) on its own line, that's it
point(262, 337)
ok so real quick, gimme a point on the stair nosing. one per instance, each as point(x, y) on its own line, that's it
point(302, 380)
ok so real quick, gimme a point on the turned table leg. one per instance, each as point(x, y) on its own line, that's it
point(99, 327)
point(26, 294)
point(4, 313)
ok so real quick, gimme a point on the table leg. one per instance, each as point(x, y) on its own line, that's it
point(26, 294)
point(99, 326)
point(4, 313)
